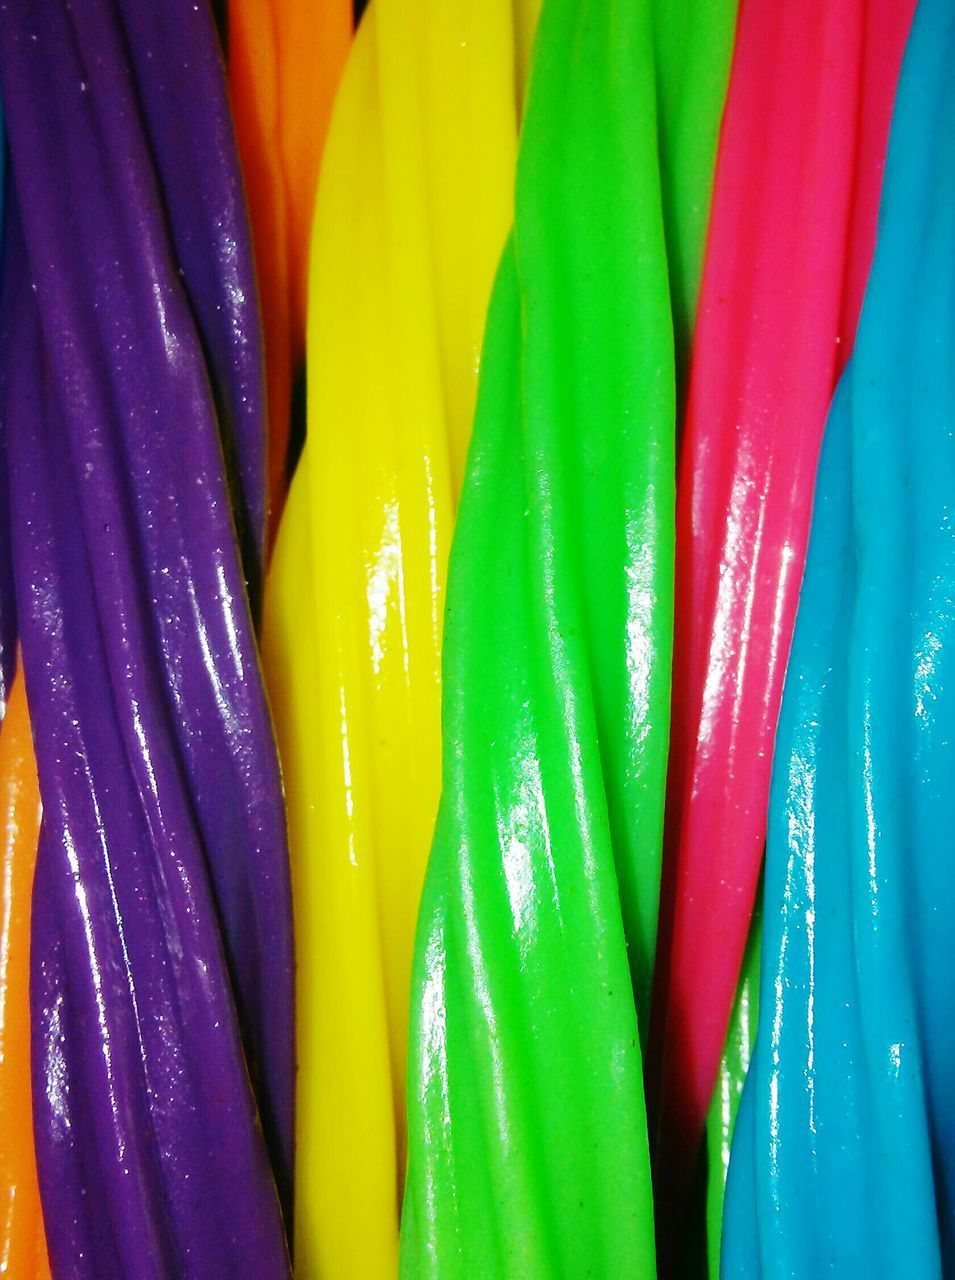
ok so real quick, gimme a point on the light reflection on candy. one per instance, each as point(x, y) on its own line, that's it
point(412, 211)
point(528, 1145)
point(161, 924)
point(790, 239)
point(843, 1157)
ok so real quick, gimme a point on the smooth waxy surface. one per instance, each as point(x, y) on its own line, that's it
point(413, 207)
point(842, 1161)
point(693, 49)
point(790, 241)
point(161, 949)
point(285, 61)
point(528, 1146)
point(22, 1242)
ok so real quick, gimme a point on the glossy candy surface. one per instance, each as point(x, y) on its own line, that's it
point(177, 73)
point(843, 1158)
point(161, 902)
point(285, 61)
point(693, 48)
point(789, 245)
point(526, 1116)
point(22, 1242)
point(412, 211)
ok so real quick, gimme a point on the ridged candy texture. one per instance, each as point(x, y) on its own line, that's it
point(527, 1130)
point(412, 212)
point(285, 62)
point(844, 1155)
point(161, 950)
point(789, 245)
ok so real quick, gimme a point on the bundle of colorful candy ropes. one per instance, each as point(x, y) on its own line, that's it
point(477, 562)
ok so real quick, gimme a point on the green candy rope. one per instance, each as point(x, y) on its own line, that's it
point(693, 43)
point(528, 1151)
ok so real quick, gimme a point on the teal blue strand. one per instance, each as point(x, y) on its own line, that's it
point(843, 1161)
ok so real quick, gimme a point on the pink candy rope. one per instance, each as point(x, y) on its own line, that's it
point(790, 242)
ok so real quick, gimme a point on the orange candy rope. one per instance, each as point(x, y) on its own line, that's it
point(22, 1240)
point(285, 60)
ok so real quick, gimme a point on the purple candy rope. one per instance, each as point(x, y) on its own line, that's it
point(8, 615)
point(178, 78)
point(162, 872)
